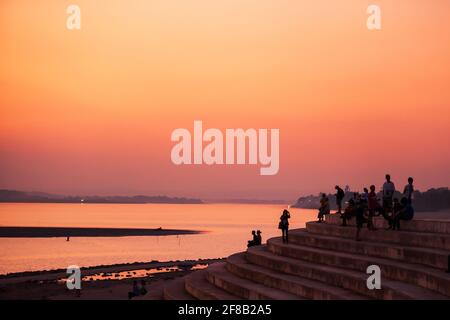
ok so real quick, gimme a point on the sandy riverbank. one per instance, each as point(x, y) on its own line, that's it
point(48, 232)
point(102, 282)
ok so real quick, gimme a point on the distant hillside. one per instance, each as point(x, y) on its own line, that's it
point(248, 201)
point(40, 197)
point(434, 199)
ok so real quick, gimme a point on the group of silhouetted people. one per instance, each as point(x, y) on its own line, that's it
point(257, 239)
point(138, 290)
point(363, 207)
point(283, 225)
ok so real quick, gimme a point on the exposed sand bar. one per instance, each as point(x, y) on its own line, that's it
point(49, 232)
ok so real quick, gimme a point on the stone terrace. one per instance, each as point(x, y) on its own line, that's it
point(323, 261)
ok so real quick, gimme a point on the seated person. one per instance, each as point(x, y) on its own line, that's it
point(405, 213)
point(258, 238)
point(348, 213)
point(143, 288)
point(135, 292)
point(360, 219)
point(324, 207)
point(253, 242)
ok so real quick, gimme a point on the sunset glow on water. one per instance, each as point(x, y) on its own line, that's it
point(228, 228)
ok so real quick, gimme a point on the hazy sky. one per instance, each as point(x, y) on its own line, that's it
point(92, 111)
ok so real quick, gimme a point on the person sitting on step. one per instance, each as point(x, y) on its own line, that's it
point(348, 213)
point(143, 288)
point(254, 241)
point(136, 291)
point(360, 218)
point(405, 213)
point(324, 207)
point(258, 238)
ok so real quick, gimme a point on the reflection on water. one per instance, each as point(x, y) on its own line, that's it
point(139, 273)
point(229, 227)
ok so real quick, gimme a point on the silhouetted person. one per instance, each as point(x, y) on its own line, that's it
point(284, 225)
point(364, 202)
point(252, 242)
point(136, 291)
point(408, 191)
point(373, 206)
point(258, 238)
point(406, 213)
point(396, 208)
point(365, 196)
point(340, 194)
point(143, 290)
point(360, 219)
point(388, 193)
point(348, 213)
point(356, 197)
point(68, 239)
point(324, 207)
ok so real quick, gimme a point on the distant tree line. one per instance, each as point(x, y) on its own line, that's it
point(434, 199)
point(39, 197)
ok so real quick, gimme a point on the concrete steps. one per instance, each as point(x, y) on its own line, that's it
point(420, 239)
point(429, 257)
point(175, 290)
point(218, 275)
point(418, 275)
point(198, 286)
point(427, 226)
point(323, 261)
point(347, 279)
point(239, 266)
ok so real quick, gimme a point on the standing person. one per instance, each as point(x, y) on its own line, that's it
point(365, 196)
point(360, 219)
point(388, 193)
point(373, 206)
point(284, 225)
point(324, 207)
point(396, 208)
point(364, 202)
point(340, 194)
point(408, 191)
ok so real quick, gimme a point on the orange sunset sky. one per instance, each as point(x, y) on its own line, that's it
point(91, 111)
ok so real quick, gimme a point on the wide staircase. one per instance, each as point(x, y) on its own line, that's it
point(323, 261)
